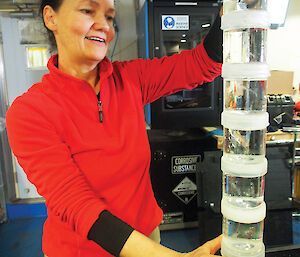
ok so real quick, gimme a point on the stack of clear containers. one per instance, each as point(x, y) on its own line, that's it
point(244, 119)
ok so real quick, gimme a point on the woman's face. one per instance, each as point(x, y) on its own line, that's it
point(83, 29)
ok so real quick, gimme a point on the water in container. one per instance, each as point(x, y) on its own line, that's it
point(246, 45)
point(242, 230)
point(242, 247)
point(244, 144)
point(240, 5)
point(244, 192)
point(236, 230)
point(243, 239)
point(245, 95)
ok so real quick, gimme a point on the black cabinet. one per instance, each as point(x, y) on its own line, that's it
point(176, 158)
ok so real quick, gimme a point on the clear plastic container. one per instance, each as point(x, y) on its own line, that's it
point(245, 95)
point(242, 230)
point(241, 5)
point(232, 247)
point(246, 45)
point(236, 230)
point(244, 144)
point(244, 192)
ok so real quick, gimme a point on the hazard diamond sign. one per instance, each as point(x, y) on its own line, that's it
point(185, 190)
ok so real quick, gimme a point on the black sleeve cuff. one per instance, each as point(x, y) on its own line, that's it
point(110, 233)
point(213, 42)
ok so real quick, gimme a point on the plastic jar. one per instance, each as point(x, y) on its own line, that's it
point(242, 247)
point(244, 135)
point(245, 86)
point(245, 95)
point(242, 230)
point(245, 45)
point(245, 35)
point(248, 144)
point(243, 183)
point(241, 5)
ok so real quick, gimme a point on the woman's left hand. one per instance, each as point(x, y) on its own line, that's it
point(208, 249)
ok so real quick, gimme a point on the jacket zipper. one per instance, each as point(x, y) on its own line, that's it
point(100, 109)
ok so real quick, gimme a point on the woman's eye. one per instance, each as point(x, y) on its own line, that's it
point(87, 11)
point(109, 18)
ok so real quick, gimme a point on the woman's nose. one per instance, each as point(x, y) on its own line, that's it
point(101, 23)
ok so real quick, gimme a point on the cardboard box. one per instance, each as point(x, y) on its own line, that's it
point(280, 82)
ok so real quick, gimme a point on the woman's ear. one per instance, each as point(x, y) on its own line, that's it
point(49, 18)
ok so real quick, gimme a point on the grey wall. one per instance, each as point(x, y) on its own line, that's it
point(3, 102)
point(18, 80)
point(126, 48)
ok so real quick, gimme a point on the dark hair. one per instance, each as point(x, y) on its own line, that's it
point(55, 4)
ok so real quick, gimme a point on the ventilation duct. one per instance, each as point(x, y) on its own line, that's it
point(19, 7)
point(14, 5)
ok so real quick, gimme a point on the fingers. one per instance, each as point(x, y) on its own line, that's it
point(208, 249)
point(214, 245)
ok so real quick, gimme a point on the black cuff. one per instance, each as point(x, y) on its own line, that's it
point(110, 233)
point(213, 42)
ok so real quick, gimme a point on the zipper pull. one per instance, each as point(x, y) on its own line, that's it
point(100, 111)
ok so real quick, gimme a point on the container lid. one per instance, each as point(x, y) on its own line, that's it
point(246, 71)
point(243, 215)
point(244, 169)
point(245, 120)
point(245, 19)
point(228, 251)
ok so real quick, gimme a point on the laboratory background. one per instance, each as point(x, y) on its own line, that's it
point(225, 156)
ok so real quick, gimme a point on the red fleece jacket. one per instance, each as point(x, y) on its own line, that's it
point(81, 166)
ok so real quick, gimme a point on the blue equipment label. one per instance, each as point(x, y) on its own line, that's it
point(175, 22)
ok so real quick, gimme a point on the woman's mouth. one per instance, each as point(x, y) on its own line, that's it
point(97, 39)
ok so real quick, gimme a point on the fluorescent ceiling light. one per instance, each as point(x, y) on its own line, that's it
point(19, 14)
point(206, 25)
point(277, 10)
point(185, 3)
point(183, 40)
point(183, 35)
point(26, 1)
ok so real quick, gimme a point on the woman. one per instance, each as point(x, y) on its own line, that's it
point(88, 157)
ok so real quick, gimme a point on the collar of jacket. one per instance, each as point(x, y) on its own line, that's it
point(67, 82)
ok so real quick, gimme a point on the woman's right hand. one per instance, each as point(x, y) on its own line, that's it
point(138, 245)
point(208, 249)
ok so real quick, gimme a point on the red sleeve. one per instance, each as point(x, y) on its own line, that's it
point(167, 75)
point(48, 164)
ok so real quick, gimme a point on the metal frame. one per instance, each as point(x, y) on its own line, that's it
point(5, 151)
point(295, 157)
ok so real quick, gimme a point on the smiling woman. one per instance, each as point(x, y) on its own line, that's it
point(83, 31)
point(88, 153)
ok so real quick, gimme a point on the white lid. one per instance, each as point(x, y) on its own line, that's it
point(244, 169)
point(244, 120)
point(243, 215)
point(227, 250)
point(245, 19)
point(247, 71)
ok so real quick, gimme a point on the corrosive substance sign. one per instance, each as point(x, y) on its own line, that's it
point(185, 190)
point(185, 164)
